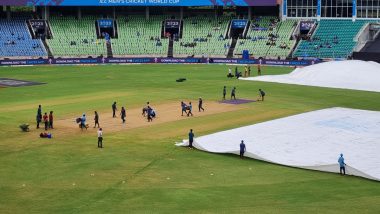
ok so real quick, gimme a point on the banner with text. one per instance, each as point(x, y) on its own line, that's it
point(138, 2)
point(100, 61)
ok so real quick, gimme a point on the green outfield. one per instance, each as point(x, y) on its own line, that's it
point(140, 170)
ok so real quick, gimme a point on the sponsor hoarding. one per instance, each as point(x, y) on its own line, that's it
point(138, 2)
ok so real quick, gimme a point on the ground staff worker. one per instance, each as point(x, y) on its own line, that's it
point(114, 109)
point(233, 93)
point(39, 116)
point(96, 119)
point(342, 165)
point(100, 138)
point(261, 95)
point(242, 149)
point(224, 92)
point(191, 139)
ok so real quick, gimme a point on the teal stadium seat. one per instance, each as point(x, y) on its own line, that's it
point(345, 30)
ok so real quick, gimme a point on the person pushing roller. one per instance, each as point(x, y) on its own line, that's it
point(183, 108)
point(83, 122)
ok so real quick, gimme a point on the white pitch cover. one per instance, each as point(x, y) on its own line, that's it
point(311, 140)
point(349, 74)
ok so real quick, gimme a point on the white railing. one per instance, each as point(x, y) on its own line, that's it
point(295, 30)
point(27, 28)
point(361, 31)
point(246, 28)
point(362, 37)
point(51, 29)
point(229, 28)
point(315, 29)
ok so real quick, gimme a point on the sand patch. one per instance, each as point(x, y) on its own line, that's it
point(165, 113)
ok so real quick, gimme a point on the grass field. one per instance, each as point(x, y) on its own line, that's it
point(140, 170)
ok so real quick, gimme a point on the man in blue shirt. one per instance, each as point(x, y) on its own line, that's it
point(190, 109)
point(83, 121)
point(183, 107)
point(342, 165)
point(191, 139)
point(242, 149)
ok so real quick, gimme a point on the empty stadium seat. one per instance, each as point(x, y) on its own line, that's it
point(257, 38)
point(135, 33)
point(205, 27)
point(15, 40)
point(75, 37)
point(322, 44)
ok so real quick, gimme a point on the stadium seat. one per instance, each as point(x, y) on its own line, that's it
point(322, 44)
point(16, 41)
point(135, 36)
point(73, 37)
point(257, 38)
point(205, 27)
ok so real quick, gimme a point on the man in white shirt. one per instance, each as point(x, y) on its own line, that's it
point(229, 75)
point(100, 138)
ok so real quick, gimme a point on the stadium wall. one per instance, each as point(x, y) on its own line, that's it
point(366, 56)
point(103, 61)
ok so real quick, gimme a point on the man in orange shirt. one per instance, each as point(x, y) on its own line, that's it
point(46, 120)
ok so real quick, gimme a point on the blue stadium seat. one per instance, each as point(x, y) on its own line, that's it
point(15, 40)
